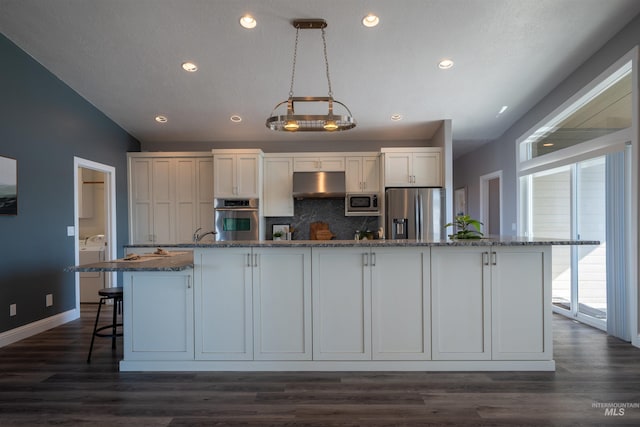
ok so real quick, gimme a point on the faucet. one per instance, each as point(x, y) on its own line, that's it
point(197, 237)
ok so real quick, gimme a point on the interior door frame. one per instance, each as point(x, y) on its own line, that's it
point(110, 215)
point(484, 199)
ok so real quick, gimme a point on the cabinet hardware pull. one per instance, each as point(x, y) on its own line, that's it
point(248, 260)
point(365, 259)
point(494, 258)
point(188, 282)
point(373, 259)
point(255, 260)
point(485, 258)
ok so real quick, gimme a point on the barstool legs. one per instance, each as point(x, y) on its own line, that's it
point(117, 307)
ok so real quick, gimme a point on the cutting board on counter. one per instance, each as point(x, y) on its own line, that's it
point(320, 231)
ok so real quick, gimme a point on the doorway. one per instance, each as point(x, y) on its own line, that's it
point(94, 223)
point(491, 203)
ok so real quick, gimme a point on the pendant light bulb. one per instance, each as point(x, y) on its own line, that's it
point(330, 125)
point(291, 125)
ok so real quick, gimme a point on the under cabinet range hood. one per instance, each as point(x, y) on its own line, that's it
point(318, 185)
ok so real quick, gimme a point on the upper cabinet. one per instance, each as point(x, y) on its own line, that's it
point(169, 196)
point(313, 163)
point(278, 186)
point(413, 167)
point(237, 173)
point(362, 174)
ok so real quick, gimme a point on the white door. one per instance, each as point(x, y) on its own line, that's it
point(163, 189)
point(341, 280)
point(397, 171)
point(278, 186)
point(400, 295)
point(353, 175)
point(371, 174)
point(282, 303)
point(460, 303)
point(248, 166)
point(521, 303)
point(224, 170)
point(427, 169)
point(185, 199)
point(158, 313)
point(223, 304)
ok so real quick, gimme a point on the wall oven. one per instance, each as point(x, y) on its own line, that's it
point(236, 219)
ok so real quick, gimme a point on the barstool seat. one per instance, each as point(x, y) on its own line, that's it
point(106, 294)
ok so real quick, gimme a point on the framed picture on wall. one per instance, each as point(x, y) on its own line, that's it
point(460, 201)
point(8, 186)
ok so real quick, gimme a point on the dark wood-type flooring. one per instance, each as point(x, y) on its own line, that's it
point(44, 380)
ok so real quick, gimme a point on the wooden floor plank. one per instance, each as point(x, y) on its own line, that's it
point(45, 380)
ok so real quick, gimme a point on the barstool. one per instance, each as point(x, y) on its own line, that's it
point(106, 294)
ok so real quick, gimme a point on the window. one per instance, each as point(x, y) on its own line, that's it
point(570, 169)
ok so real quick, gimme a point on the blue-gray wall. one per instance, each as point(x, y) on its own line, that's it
point(44, 124)
point(501, 153)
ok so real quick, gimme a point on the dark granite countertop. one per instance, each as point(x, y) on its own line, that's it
point(489, 241)
point(175, 261)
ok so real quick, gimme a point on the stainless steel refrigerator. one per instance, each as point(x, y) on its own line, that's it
point(415, 213)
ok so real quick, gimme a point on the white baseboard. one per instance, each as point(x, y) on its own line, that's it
point(26, 331)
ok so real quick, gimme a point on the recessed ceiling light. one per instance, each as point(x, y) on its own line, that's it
point(161, 119)
point(503, 109)
point(370, 20)
point(190, 67)
point(548, 144)
point(248, 21)
point(235, 118)
point(445, 64)
point(396, 117)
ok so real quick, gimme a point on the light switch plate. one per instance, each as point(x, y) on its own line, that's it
point(49, 300)
point(12, 310)
point(71, 230)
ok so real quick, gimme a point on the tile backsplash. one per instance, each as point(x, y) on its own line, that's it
point(330, 211)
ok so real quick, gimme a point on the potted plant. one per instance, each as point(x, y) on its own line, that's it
point(462, 224)
point(277, 235)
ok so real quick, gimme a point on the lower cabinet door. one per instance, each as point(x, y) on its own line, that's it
point(158, 316)
point(341, 304)
point(223, 304)
point(400, 296)
point(460, 303)
point(521, 301)
point(282, 303)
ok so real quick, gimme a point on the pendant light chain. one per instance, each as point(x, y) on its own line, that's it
point(326, 62)
point(295, 56)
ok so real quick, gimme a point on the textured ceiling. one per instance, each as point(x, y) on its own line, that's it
point(124, 57)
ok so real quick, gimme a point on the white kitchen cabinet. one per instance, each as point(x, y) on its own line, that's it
point(341, 304)
point(158, 313)
point(223, 305)
point(204, 192)
point(278, 186)
point(170, 196)
point(460, 303)
point(362, 174)
point(400, 297)
point(282, 303)
point(413, 167)
point(237, 173)
point(521, 303)
point(253, 304)
point(318, 163)
point(370, 304)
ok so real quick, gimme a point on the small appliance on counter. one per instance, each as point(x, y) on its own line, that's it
point(415, 213)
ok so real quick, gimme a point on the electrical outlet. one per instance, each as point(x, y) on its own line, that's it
point(49, 300)
point(71, 230)
point(12, 310)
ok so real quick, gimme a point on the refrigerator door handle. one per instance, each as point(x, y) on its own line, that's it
point(416, 203)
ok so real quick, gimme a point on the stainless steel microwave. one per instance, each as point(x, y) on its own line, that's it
point(362, 204)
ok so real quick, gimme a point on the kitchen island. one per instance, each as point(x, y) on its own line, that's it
point(344, 305)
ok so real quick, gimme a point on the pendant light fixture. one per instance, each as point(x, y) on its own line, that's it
point(292, 122)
